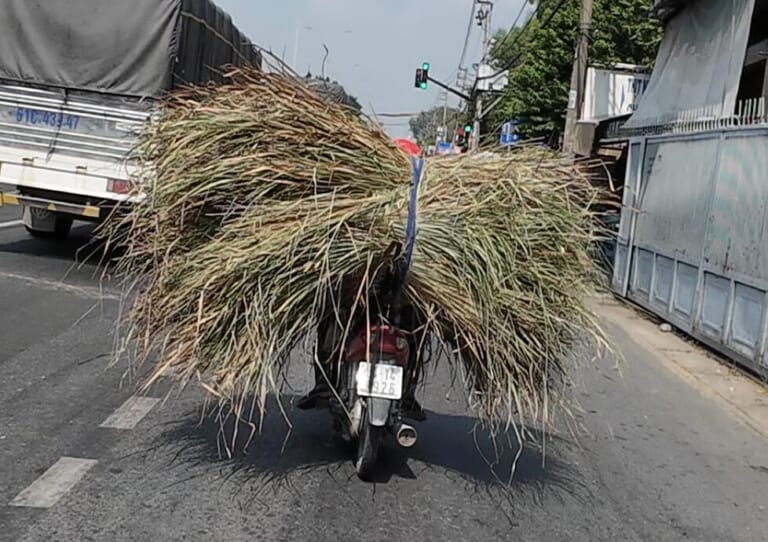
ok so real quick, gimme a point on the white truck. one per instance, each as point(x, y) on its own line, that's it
point(78, 80)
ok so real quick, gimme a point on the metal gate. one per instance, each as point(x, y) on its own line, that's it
point(693, 237)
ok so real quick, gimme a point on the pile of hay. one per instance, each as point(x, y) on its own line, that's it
point(267, 206)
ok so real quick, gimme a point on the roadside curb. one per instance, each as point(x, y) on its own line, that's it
point(742, 396)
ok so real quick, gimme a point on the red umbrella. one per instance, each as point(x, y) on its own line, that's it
point(408, 146)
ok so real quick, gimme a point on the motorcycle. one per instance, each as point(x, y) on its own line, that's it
point(377, 366)
point(374, 372)
point(368, 407)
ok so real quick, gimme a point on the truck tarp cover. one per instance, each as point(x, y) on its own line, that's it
point(129, 47)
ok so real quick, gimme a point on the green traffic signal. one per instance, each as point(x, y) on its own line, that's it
point(467, 128)
point(422, 76)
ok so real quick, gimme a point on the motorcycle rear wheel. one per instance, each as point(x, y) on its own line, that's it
point(368, 451)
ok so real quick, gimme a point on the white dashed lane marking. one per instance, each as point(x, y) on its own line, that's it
point(87, 292)
point(130, 413)
point(54, 483)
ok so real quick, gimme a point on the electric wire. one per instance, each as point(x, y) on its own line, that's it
point(517, 57)
point(467, 36)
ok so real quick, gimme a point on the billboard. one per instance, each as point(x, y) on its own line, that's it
point(612, 92)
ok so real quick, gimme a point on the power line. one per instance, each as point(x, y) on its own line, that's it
point(462, 58)
point(517, 20)
point(512, 63)
point(396, 115)
point(518, 37)
point(520, 14)
point(467, 36)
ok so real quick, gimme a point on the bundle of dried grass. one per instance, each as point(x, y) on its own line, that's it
point(265, 203)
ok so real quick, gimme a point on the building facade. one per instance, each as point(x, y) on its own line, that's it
point(693, 236)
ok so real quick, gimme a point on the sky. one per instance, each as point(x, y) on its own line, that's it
point(375, 45)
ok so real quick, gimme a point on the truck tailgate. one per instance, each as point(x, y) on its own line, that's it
point(67, 142)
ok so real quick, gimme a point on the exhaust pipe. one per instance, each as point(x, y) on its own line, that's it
point(406, 435)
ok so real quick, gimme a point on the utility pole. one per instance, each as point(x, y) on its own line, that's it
point(445, 107)
point(442, 130)
point(578, 76)
point(295, 50)
point(484, 18)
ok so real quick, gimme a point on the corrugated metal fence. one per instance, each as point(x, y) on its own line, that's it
point(693, 237)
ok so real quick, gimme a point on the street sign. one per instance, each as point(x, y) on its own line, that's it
point(508, 135)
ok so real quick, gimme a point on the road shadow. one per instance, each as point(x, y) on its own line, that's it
point(72, 248)
point(453, 445)
point(82, 248)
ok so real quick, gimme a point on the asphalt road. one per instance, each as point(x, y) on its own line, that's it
point(656, 461)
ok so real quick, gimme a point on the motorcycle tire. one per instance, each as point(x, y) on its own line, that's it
point(368, 451)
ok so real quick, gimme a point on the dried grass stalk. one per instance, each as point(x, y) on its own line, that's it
point(268, 208)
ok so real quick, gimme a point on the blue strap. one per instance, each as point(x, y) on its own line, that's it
point(410, 228)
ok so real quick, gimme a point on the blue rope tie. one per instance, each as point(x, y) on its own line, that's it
point(410, 229)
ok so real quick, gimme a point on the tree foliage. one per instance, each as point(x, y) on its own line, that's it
point(333, 91)
point(537, 93)
point(424, 126)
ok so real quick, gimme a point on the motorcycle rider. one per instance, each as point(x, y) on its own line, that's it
point(330, 342)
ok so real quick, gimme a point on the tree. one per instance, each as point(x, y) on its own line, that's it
point(424, 125)
point(333, 91)
point(537, 93)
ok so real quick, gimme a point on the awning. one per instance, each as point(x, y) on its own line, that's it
point(699, 63)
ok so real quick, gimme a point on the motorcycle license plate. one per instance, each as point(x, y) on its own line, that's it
point(387, 381)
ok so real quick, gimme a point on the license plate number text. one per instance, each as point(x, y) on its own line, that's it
point(36, 117)
point(387, 381)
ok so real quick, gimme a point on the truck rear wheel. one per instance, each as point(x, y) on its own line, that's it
point(61, 229)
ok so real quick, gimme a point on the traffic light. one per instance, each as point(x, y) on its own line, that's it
point(462, 137)
point(420, 82)
point(422, 76)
